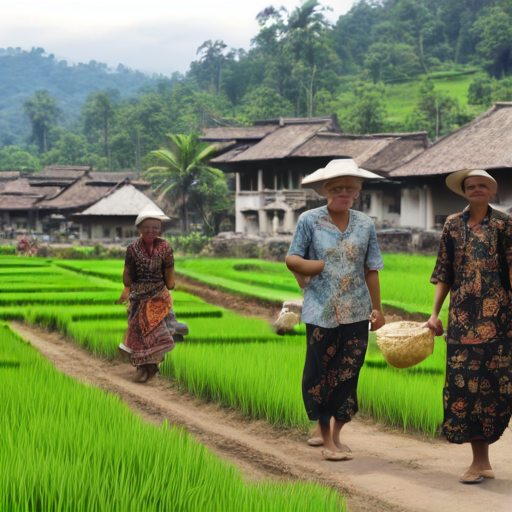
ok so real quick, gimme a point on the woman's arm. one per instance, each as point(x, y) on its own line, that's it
point(127, 281)
point(169, 278)
point(373, 284)
point(433, 323)
point(302, 281)
point(303, 267)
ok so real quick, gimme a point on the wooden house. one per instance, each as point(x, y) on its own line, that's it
point(485, 143)
point(112, 218)
point(46, 201)
point(270, 159)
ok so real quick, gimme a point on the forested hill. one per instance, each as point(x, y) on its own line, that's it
point(386, 65)
point(24, 72)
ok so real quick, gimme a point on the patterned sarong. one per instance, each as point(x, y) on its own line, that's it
point(151, 324)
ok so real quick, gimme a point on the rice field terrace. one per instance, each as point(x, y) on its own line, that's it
point(69, 447)
point(237, 361)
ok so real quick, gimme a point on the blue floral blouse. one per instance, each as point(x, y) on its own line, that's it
point(338, 295)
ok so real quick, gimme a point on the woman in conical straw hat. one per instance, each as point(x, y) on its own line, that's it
point(474, 265)
point(148, 276)
point(335, 258)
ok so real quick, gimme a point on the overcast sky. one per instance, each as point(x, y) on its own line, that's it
point(148, 35)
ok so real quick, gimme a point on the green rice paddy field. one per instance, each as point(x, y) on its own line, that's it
point(234, 360)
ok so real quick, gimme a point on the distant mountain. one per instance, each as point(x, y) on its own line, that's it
point(24, 72)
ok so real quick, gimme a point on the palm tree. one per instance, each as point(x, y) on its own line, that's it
point(185, 165)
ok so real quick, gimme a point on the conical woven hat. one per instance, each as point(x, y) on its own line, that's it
point(405, 344)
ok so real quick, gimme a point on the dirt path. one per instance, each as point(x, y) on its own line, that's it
point(391, 472)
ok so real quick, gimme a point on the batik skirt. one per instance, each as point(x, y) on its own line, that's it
point(334, 358)
point(151, 325)
point(478, 391)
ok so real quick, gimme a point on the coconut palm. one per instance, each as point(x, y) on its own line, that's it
point(185, 165)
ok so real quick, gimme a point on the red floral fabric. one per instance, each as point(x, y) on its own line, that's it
point(151, 321)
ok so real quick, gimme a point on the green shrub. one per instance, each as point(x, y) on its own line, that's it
point(192, 244)
point(7, 249)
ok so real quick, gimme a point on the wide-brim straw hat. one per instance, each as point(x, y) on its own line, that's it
point(405, 344)
point(336, 169)
point(150, 211)
point(455, 180)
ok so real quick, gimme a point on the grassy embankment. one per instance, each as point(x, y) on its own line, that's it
point(67, 446)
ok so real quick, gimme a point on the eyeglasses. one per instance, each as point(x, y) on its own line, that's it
point(337, 190)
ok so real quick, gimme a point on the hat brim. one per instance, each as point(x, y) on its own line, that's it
point(455, 180)
point(317, 180)
point(141, 218)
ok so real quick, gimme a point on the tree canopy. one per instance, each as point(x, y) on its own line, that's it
point(298, 64)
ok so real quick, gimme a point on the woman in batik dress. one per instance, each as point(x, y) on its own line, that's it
point(335, 258)
point(473, 265)
point(148, 276)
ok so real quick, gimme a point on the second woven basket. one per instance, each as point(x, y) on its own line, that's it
point(405, 344)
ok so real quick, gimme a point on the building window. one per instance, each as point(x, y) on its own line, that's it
point(106, 232)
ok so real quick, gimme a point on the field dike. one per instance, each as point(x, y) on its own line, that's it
point(391, 472)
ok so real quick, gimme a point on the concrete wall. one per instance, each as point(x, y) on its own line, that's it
point(107, 228)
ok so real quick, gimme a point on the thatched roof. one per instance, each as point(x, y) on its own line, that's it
point(112, 177)
point(380, 152)
point(227, 133)
point(17, 202)
point(77, 195)
point(281, 143)
point(9, 175)
point(59, 175)
point(484, 143)
point(22, 186)
point(124, 200)
point(69, 171)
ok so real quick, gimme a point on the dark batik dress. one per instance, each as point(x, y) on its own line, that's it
point(336, 311)
point(151, 320)
point(478, 390)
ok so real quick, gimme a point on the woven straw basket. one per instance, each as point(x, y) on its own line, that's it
point(405, 344)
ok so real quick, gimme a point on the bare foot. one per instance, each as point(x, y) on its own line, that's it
point(342, 447)
point(478, 468)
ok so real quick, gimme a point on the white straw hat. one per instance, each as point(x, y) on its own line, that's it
point(336, 169)
point(454, 181)
point(150, 211)
point(405, 344)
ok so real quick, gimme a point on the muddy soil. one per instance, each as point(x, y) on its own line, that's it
point(391, 472)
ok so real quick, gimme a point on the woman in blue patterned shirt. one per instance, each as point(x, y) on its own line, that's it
point(335, 256)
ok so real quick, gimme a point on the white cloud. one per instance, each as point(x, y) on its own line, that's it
point(151, 36)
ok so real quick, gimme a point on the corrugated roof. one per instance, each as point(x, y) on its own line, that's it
point(484, 143)
point(125, 200)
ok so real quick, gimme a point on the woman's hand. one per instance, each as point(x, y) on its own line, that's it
point(435, 325)
point(301, 280)
point(124, 295)
point(377, 319)
point(304, 267)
